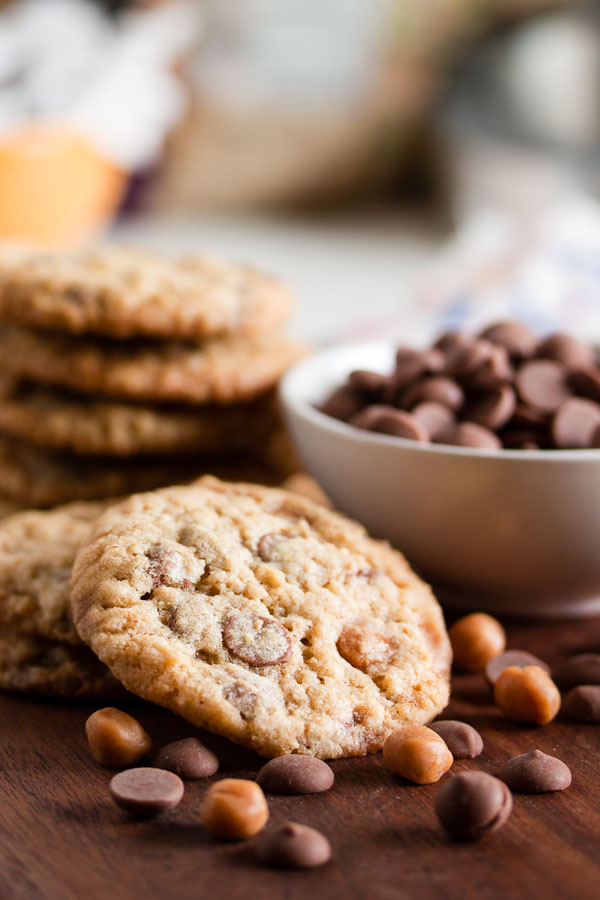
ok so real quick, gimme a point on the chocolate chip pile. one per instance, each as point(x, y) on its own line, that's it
point(502, 388)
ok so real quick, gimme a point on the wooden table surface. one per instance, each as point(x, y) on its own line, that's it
point(61, 838)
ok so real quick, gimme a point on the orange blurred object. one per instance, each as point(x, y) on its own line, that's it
point(55, 188)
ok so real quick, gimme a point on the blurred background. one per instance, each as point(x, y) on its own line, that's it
point(404, 164)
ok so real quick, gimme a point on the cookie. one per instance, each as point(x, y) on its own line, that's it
point(262, 616)
point(59, 419)
point(33, 665)
point(35, 477)
point(121, 292)
point(37, 550)
point(224, 370)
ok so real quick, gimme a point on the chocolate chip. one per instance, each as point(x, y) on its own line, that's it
point(463, 362)
point(410, 364)
point(343, 403)
point(293, 846)
point(372, 384)
point(362, 645)
point(472, 804)
point(529, 416)
point(567, 350)
point(388, 420)
point(435, 388)
point(522, 439)
point(542, 383)
point(146, 792)
point(437, 418)
point(581, 669)
point(587, 382)
point(582, 703)
point(188, 758)
point(468, 434)
point(451, 340)
point(518, 339)
point(534, 773)
point(462, 740)
point(257, 640)
point(521, 658)
point(575, 423)
point(492, 409)
point(494, 371)
point(295, 775)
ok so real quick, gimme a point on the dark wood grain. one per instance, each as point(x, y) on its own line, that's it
point(63, 839)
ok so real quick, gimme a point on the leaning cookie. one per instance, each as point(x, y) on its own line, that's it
point(33, 665)
point(226, 370)
point(37, 550)
point(36, 477)
point(262, 616)
point(63, 420)
point(122, 292)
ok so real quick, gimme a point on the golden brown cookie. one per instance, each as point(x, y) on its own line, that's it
point(37, 550)
point(33, 665)
point(54, 418)
point(122, 292)
point(226, 370)
point(38, 478)
point(262, 616)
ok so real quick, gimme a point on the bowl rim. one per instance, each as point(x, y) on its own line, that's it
point(293, 398)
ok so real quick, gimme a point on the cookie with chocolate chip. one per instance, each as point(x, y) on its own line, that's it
point(123, 292)
point(262, 616)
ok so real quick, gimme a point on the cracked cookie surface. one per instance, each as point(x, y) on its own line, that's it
point(223, 370)
point(123, 292)
point(262, 616)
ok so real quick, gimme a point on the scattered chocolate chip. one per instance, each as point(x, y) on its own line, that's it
point(145, 791)
point(566, 350)
point(188, 758)
point(581, 669)
point(294, 774)
point(388, 420)
point(516, 338)
point(582, 703)
point(575, 423)
point(293, 846)
point(542, 383)
point(257, 640)
point(436, 389)
point(492, 409)
point(462, 740)
point(468, 434)
point(521, 658)
point(437, 418)
point(472, 804)
point(534, 773)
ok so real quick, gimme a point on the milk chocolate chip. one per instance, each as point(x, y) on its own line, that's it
point(534, 773)
point(575, 422)
point(362, 645)
point(295, 775)
point(388, 420)
point(567, 350)
point(582, 703)
point(293, 846)
point(516, 338)
point(462, 740)
point(472, 804)
point(257, 640)
point(188, 758)
point(542, 383)
point(581, 669)
point(146, 792)
point(521, 658)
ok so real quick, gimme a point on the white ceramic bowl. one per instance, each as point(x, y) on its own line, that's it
point(511, 531)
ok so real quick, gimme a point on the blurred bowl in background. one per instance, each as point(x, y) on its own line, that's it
point(509, 532)
point(55, 188)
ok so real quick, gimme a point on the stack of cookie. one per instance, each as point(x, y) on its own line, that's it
point(123, 370)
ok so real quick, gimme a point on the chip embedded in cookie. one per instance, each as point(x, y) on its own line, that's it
point(262, 616)
point(123, 292)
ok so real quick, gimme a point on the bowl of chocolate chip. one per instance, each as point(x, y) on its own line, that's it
point(478, 457)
